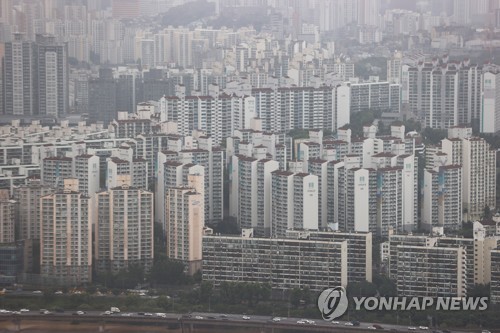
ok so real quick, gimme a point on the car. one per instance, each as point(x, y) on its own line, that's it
point(246, 318)
point(24, 310)
point(312, 322)
point(378, 326)
point(106, 313)
point(355, 323)
point(276, 319)
point(223, 316)
point(58, 292)
point(348, 324)
point(81, 313)
point(300, 322)
point(114, 309)
point(211, 317)
point(411, 328)
point(335, 322)
point(142, 294)
point(198, 317)
point(42, 311)
point(37, 292)
point(47, 312)
point(148, 314)
point(371, 327)
point(423, 328)
point(16, 312)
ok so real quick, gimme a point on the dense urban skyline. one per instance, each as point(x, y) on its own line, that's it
point(295, 145)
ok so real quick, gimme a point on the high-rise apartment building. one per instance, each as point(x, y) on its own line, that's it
point(124, 230)
point(442, 198)
point(254, 192)
point(18, 77)
point(28, 199)
point(86, 170)
point(490, 117)
point(66, 236)
point(185, 223)
point(51, 76)
point(294, 202)
point(446, 94)
point(478, 161)
point(7, 217)
point(35, 76)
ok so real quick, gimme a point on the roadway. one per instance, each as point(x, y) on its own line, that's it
point(215, 319)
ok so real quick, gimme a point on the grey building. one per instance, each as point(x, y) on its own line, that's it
point(282, 263)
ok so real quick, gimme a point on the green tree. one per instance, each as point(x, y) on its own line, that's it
point(295, 297)
point(166, 271)
point(206, 291)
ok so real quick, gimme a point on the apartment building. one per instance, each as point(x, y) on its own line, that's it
point(185, 223)
point(490, 117)
point(359, 250)
point(294, 202)
point(66, 236)
point(283, 263)
point(28, 200)
point(495, 276)
point(476, 254)
point(7, 217)
point(431, 271)
point(252, 188)
point(124, 230)
point(55, 169)
point(478, 161)
point(442, 198)
point(86, 170)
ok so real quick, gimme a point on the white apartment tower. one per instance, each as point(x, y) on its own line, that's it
point(490, 117)
point(124, 230)
point(185, 223)
point(66, 236)
point(442, 198)
point(478, 162)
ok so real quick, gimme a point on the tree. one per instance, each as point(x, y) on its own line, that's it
point(206, 291)
point(167, 272)
point(295, 297)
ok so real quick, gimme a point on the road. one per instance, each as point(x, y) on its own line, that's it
point(214, 319)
